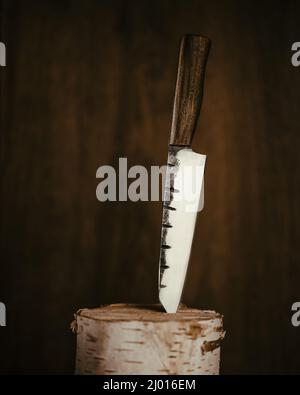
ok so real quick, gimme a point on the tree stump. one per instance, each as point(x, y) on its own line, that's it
point(135, 339)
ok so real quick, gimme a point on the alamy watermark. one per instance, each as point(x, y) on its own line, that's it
point(182, 184)
point(2, 314)
point(296, 54)
point(2, 55)
point(2, 305)
point(296, 314)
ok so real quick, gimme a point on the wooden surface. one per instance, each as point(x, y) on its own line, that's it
point(143, 339)
point(89, 81)
point(149, 313)
point(193, 56)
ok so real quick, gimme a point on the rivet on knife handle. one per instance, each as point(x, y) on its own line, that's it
point(193, 56)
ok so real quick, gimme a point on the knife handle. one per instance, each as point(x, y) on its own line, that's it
point(193, 56)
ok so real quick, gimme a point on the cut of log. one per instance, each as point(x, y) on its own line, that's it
point(135, 339)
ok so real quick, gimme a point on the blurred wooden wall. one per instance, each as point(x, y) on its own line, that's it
point(88, 82)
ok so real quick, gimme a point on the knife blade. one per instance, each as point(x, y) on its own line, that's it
point(184, 186)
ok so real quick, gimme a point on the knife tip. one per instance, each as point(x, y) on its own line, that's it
point(170, 306)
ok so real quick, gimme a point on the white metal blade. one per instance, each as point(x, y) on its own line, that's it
point(184, 197)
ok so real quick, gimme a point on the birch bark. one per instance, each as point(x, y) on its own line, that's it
point(134, 339)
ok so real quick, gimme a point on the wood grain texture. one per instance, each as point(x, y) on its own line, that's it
point(88, 82)
point(193, 56)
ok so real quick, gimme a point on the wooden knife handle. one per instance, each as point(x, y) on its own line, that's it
point(193, 56)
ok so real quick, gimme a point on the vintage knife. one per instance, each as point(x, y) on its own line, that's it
point(184, 189)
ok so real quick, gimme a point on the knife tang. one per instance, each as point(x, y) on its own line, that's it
point(194, 50)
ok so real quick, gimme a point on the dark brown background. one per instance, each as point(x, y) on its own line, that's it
point(89, 81)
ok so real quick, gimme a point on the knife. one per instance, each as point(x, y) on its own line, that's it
point(184, 187)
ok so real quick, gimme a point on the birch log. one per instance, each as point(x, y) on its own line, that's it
point(135, 339)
